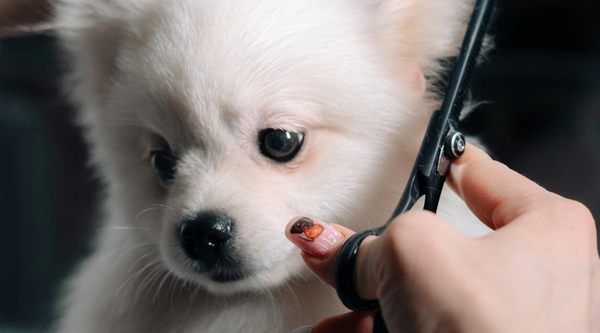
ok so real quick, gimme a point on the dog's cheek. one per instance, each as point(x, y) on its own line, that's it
point(353, 178)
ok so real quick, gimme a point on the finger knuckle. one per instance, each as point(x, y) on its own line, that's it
point(412, 235)
point(581, 216)
point(573, 221)
point(406, 227)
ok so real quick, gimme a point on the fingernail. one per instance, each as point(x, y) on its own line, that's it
point(312, 236)
point(303, 329)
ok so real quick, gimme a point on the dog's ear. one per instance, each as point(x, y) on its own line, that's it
point(423, 31)
point(92, 31)
point(18, 17)
point(426, 28)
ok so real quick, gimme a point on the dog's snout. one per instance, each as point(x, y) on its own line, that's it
point(205, 236)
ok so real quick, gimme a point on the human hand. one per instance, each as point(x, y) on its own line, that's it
point(539, 272)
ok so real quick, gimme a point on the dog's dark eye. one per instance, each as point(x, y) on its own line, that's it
point(279, 145)
point(164, 164)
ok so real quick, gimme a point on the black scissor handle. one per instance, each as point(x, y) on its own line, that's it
point(344, 273)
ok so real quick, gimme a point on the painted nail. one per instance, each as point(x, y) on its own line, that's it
point(313, 236)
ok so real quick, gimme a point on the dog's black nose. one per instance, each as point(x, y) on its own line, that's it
point(204, 238)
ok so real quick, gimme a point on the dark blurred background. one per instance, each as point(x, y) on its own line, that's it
point(542, 85)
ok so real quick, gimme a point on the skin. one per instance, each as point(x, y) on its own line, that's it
point(539, 272)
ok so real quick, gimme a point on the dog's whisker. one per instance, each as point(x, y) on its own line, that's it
point(177, 211)
point(157, 295)
point(271, 298)
point(156, 298)
point(267, 234)
point(159, 207)
point(146, 210)
point(183, 286)
point(329, 288)
point(326, 286)
point(156, 276)
point(278, 310)
point(139, 259)
point(146, 281)
point(165, 206)
point(121, 228)
point(192, 299)
point(135, 275)
point(174, 283)
point(292, 292)
point(123, 248)
point(131, 248)
point(298, 276)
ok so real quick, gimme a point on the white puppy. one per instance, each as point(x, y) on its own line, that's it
point(213, 122)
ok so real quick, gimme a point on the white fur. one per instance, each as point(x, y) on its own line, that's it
point(206, 76)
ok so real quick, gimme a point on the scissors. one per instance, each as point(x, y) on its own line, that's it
point(442, 143)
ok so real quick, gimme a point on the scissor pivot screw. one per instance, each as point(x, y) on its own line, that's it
point(455, 144)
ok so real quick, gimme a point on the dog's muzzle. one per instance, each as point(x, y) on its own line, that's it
point(206, 238)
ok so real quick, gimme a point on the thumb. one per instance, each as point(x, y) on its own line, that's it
point(320, 243)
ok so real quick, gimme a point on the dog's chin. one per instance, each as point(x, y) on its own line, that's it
point(243, 280)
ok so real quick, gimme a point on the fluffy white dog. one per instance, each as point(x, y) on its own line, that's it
point(213, 122)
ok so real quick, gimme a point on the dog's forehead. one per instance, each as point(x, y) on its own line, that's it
point(243, 63)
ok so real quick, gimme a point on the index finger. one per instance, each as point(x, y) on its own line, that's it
point(496, 194)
